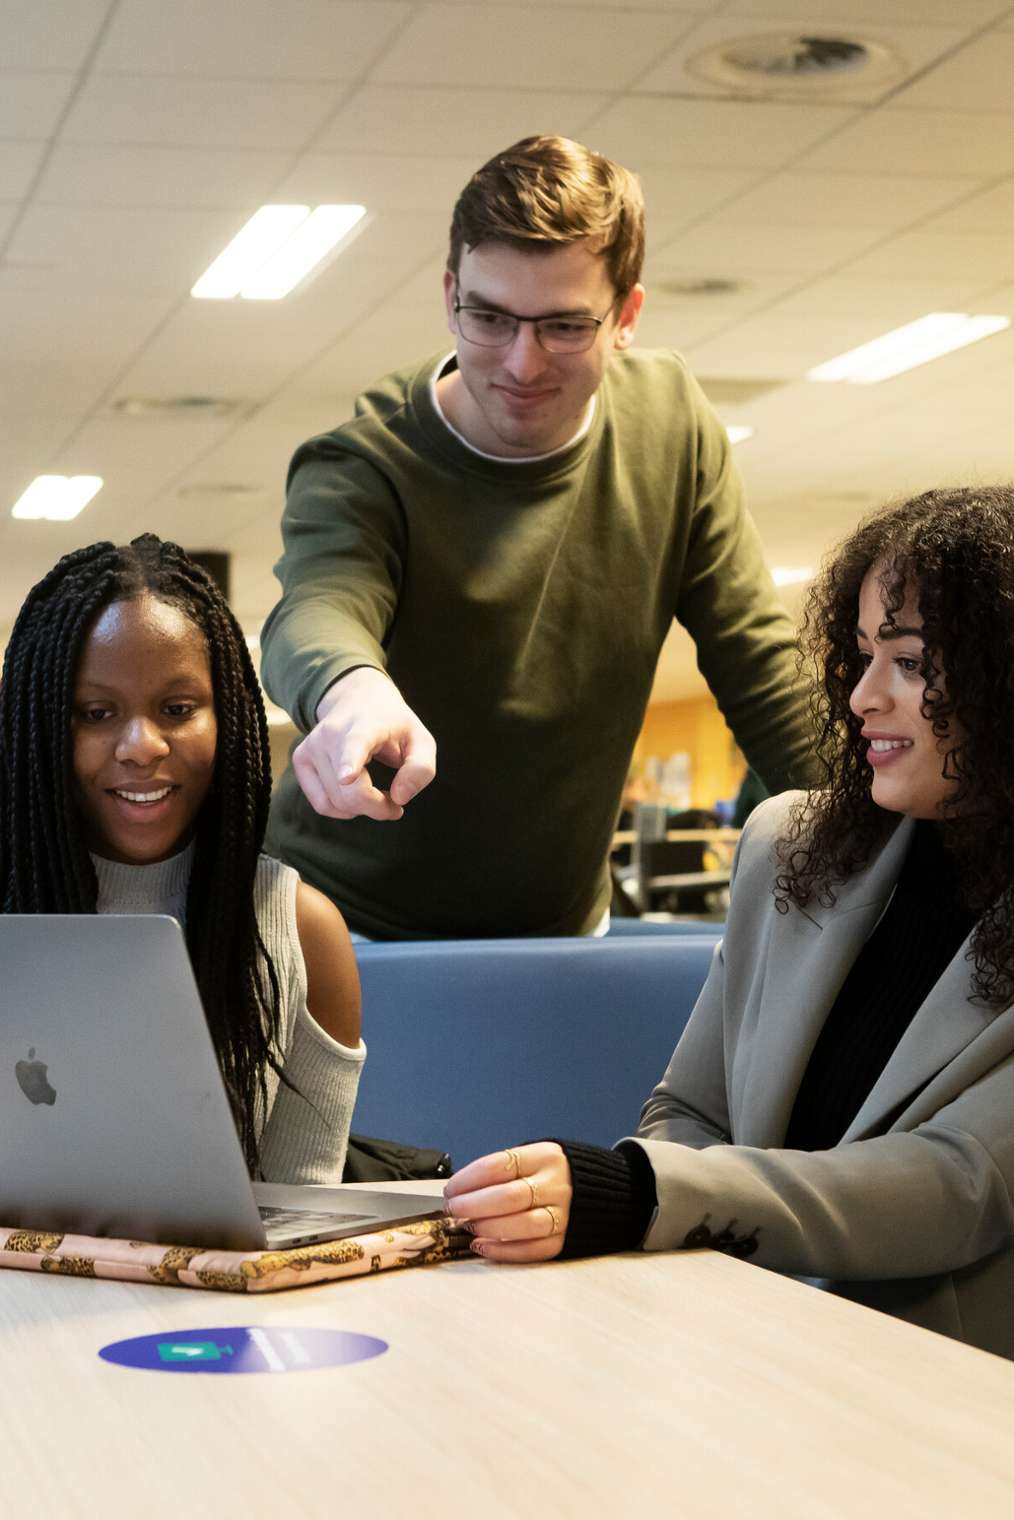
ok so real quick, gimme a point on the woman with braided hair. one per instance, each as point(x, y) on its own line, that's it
point(135, 777)
point(841, 1103)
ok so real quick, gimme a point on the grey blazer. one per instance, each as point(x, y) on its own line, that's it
point(912, 1212)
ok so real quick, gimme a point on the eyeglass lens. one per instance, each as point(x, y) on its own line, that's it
point(495, 329)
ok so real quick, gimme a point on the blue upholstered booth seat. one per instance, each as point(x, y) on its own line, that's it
point(639, 926)
point(478, 1044)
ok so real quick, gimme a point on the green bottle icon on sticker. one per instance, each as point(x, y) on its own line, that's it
point(192, 1351)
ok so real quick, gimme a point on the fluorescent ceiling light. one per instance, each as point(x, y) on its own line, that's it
point(277, 248)
point(57, 498)
point(791, 575)
point(311, 242)
point(739, 434)
point(941, 332)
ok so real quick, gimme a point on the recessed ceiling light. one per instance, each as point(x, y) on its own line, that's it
point(56, 498)
point(178, 406)
point(929, 337)
point(205, 488)
point(700, 285)
point(738, 434)
point(276, 250)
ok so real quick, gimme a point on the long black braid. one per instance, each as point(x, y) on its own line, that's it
point(45, 866)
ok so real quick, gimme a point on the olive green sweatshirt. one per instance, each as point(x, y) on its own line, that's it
point(519, 607)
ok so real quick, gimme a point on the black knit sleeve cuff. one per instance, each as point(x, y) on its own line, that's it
point(613, 1201)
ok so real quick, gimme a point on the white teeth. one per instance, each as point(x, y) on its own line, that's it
point(145, 796)
point(881, 746)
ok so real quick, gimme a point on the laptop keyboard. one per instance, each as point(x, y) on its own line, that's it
point(307, 1219)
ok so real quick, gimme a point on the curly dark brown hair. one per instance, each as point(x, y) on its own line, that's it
point(954, 550)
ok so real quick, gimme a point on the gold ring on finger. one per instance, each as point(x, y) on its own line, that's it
point(554, 1223)
point(533, 1202)
point(513, 1163)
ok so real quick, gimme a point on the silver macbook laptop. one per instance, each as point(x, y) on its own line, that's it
point(113, 1117)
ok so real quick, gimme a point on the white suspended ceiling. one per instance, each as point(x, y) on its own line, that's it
point(136, 136)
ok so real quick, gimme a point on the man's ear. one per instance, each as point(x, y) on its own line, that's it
point(630, 311)
point(450, 289)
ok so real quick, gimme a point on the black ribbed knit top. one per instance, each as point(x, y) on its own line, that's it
point(920, 931)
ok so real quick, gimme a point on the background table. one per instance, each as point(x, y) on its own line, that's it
point(690, 1385)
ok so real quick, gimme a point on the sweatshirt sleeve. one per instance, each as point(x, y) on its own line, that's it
point(341, 570)
point(746, 646)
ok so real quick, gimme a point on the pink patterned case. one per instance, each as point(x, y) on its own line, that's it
point(407, 1245)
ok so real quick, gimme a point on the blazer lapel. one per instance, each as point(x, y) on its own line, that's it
point(813, 956)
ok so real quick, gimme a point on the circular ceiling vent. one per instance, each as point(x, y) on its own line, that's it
point(796, 63)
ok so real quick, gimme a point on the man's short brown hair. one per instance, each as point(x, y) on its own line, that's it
point(550, 191)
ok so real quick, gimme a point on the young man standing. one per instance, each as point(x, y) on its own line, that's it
point(487, 559)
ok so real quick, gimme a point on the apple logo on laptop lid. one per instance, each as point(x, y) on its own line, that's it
point(32, 1080)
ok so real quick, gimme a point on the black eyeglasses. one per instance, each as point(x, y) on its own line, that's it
point(495, 329)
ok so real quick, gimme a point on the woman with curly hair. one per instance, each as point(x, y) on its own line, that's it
point(841, 1104)
point(135, 778)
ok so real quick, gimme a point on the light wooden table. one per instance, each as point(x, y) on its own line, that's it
point(689, 1385)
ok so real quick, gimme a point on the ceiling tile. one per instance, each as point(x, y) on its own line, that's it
point(249, 39)
point(409, 119)
point(915, 46)
point(796, 199)
point(532, 47)
point(190, 112)
point(122, 248)
point(675, 196)
point(670, 321)
point(690, 8)
point(34, 36)
point(879, 304)
point(976, 78)
point(714, 249)
point(18, 164)
point(155, 177)
point(37, 387)
point(30, 104)
point(51, 323)
point(920, 142)
point(970, 13)
point(377, 182)
point(943, 254)
point(385, 341)
point(990, 211)
point(724, 134)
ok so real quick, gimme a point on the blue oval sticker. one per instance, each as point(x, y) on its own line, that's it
point(244, 1348)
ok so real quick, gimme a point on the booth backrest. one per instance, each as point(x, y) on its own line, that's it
point(478, 1044)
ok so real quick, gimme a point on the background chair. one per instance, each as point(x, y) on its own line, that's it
point(478, 1044)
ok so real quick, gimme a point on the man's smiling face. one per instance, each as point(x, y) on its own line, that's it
point(520, 400)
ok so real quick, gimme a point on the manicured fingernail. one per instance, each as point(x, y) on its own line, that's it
point(478, 1247)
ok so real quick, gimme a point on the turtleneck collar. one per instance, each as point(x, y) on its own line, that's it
point(157, 888)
